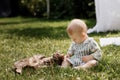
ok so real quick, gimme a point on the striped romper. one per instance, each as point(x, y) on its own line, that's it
point(88, 47)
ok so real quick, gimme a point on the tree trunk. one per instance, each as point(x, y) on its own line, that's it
point(48, 8)
point(5, 9)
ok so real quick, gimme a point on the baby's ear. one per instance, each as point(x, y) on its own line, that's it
point(83, 33)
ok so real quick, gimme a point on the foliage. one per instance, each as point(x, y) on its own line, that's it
point(72, 8)
point(58, 8)
point(35, 7)
point(24, 37)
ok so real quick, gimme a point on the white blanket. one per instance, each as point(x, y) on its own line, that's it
point(109, 41)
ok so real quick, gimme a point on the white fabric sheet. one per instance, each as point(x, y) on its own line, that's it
point(109, 41)
point(107, 16)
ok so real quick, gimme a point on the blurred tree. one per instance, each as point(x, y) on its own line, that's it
point(84, 8)
point(72, 8)
point(62, 8)
point(5, 9)
point(48, 8)
point(54, 8)
point(35, 7)
point(14, 7)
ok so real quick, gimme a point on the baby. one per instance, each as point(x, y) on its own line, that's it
point(84, 51)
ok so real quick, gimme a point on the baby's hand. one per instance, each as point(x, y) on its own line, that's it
point(87, 58)
point(67, 56)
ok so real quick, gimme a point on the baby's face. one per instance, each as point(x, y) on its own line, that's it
point(76, 38)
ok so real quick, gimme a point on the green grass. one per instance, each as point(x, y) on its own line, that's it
point(24, 37)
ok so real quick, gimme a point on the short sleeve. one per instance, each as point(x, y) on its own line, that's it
point(95, 50)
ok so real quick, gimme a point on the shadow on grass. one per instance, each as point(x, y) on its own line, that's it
point(12, 21)
point(58, 32)
point(51, 32)
point(42, 32)
point(104, 34)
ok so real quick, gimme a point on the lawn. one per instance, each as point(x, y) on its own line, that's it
point(23, 37)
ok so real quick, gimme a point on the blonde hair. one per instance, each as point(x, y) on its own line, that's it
point(77, 26)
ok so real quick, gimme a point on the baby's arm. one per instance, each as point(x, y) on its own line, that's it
point(70, 51)
point(87, 58)
point(95, 52)
point(65, 62)
point(68, 55)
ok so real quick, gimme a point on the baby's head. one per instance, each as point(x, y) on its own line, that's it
point(77, 30)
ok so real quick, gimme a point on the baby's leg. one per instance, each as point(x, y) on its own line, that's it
point(87, 65)
point(65, 63)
